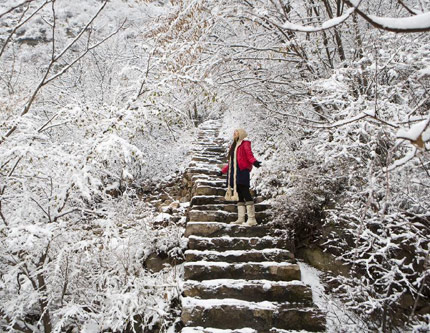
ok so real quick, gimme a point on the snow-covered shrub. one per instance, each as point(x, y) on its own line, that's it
point(74, 151)
point(340, 120)
point(88, 272)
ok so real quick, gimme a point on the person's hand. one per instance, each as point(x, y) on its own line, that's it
point(257, 164)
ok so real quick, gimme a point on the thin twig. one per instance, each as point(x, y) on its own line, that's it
point(15, 7)
point(21, 24)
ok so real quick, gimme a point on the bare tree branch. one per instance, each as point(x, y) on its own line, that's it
point(15, 7)
point(81, 32)
point(45, 80)
point(8, 39)
point(66, 68)
point(411, 11)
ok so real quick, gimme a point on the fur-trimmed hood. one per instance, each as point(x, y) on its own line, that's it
point(242, 134)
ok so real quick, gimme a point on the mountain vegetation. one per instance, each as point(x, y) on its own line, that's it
point(99, 103)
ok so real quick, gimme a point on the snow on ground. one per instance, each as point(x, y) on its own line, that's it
point(339, 319)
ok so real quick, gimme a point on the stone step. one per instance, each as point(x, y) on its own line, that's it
point(229, 207)
point(211, 146)
point(202, 151)
point(250, 290)
point(218, 229)
point(211, 149)
point(203, 170)
point(200, 329)
point(207, 155)
point(269, 270)
point(209, 190)
point(203, 141)
point(197, 173)
point(208, 160)
point(212, 162)
point(261, 316)
point(207, 199)
point(226, 243)
point(232, 256)
point(208, 135)
point(222, 216)
point(213, 199)
point(197, 177)
point(211, 216)
point(211, 182)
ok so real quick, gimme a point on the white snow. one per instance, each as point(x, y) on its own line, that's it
point(240, 265)
point(249, 239)
point(162, 217)
point(339, 319)
point(420, 21)
point(200, 329)
point(414, 131)
point(410, 154)
point(236, 252)
point(239, 283)
point(192, 302)
point(337, 20)
point(326, 25)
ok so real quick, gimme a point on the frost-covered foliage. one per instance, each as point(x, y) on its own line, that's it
point(99, 96)
point(340, 121)
point(86, 272)
point(89, 112)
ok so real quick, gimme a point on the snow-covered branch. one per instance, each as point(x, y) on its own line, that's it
point(417, 23)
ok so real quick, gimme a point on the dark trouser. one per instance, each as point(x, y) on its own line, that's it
point(244, 194)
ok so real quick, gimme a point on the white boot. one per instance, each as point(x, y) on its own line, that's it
point(240, 213)
point(250, 210)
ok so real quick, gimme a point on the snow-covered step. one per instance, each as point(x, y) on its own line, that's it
point(209, 141)
point(209, 147)
point(203, 170)
point(206, 164)
point(229, 207)
point(224, 243)
point(209, 190)
point(189, 173)
point(261, 316)
point(208, 154)
point(201, 151)
point(250, 290)
point(218, 229)
point(213, 183)
point(207, 199)
point(195, 177)
point(208, 160)
point(278, 255)
point(217, 149)
point(200, 329)
point(275, 271)
point(195, 164)
point(222, 216)
point(211, 216)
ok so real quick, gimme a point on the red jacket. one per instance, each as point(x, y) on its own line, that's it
point(245, 158)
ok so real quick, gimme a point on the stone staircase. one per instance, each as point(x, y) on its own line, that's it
point(237, 279)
